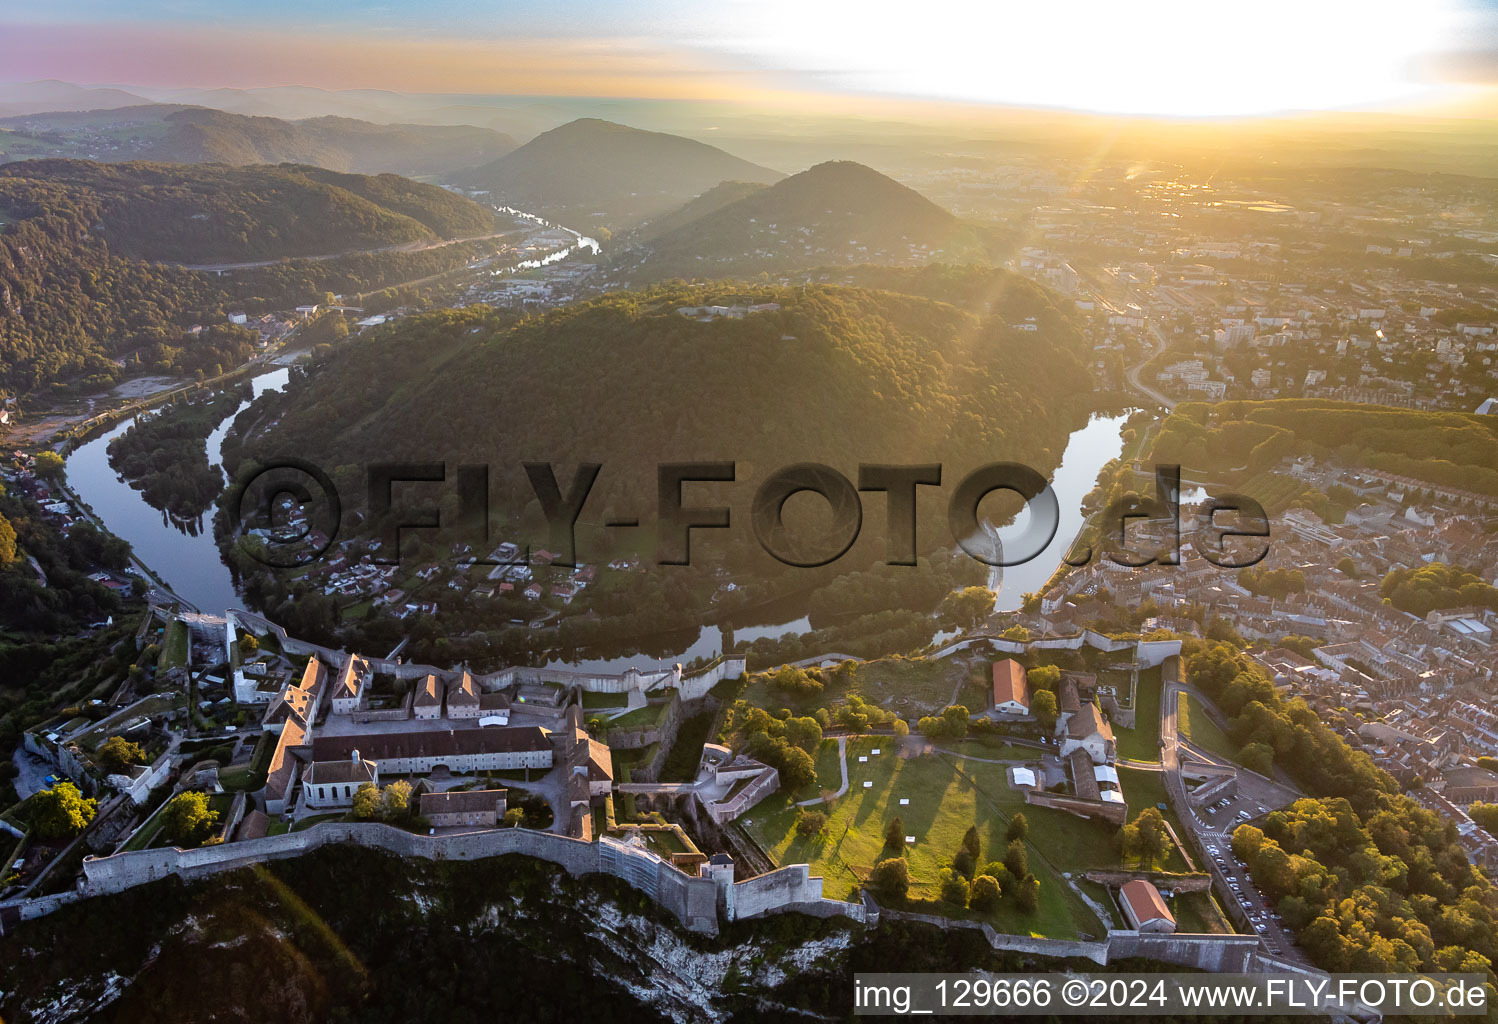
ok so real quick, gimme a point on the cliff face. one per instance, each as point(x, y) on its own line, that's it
point(346, 933)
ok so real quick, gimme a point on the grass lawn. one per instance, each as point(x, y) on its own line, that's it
point(1198, 913)
point(650, 714)
point(604, 700)
point(829, 773)
point(1147, 789)
point(174, 646)
point(947, 795)
point(317, 819)
point(685, 756)
point(996, 747)
point(146, 834)
point(1142, 743)
point(910, 687)
point(250, 776)
point(1197, 726)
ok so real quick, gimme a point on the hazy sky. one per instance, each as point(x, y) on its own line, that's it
point(1159, 56)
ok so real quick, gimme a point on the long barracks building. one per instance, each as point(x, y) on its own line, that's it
point(460, 750)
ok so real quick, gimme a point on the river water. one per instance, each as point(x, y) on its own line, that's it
point(184, 556)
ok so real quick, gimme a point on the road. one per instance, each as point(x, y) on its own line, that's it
point(842, 759)
point(157, 592)
point(1132, 373)
point(1214, 831)
point(220, 268)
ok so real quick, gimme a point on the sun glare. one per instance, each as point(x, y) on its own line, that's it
point(1169, 57)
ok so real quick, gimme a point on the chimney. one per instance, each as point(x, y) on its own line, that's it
point(354, 757)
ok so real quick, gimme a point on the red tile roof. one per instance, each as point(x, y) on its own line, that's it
point(1010, 683)
point(1144, 902)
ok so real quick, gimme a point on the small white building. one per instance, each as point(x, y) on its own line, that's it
point(1145, 907)
point(334, 783)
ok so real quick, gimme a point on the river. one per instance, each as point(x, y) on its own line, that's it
point(184, 557)
point(188, 560)
point(1088, 450)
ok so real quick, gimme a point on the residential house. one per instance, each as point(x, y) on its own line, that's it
point(1011, 688)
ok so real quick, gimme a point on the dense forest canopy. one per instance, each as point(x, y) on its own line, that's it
point(840, 376)
point(214, 213)
point(72, 304)
point(1448, 449)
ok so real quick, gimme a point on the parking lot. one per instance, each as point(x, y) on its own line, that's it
point(1241, 889)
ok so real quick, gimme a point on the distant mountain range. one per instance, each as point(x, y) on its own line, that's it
point(591, 173)
point(170, 133)
point(838, 212)
point(37, 97)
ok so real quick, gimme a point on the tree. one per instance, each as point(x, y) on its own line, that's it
point(1044, 677)
point(953, 887)
point(117, 754)
point(894, 834)
point(968, 607)
point(955, 721)
point(805, 733)
point(61, 812)
point(972, 843)
point(8, 549)
point(1257, 757)
point(514, 816)
point(1045, 709)
point(1247, 839)
point(1018, 828)
point(367, 802)
point(984, 894)
point(901, 727)
point(1017, 858)
point(395, 800)
point(1028, 895)
point(1146, 837)
point(891, 878)
point(811, 823)
point(49, 464)
point(188, 819)
point(797, 769)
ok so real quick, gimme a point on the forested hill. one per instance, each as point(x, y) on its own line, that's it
point(835, 375)
point(711, 201)
point(212, 213)
point(172, 133)
point(837, 212)
point(77, 292)
point(591, 173)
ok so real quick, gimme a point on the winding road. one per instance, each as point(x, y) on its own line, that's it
point(842, 758)
point(1132, 373)
point(441, 243)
